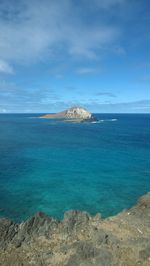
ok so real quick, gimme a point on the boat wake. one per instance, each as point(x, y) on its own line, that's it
point(104, 120)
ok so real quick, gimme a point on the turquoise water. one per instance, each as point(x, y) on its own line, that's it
point(55, 166)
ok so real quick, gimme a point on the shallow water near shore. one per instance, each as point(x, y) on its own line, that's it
point(52, 166)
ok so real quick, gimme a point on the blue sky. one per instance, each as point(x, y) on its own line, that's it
point(60, 53)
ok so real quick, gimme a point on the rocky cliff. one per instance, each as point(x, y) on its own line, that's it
point(79, 240)
point(71, 113)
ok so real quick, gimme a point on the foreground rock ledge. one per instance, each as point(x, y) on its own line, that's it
point(80, 239)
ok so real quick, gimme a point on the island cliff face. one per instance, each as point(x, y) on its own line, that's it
point(79, 240)
point(72, 113)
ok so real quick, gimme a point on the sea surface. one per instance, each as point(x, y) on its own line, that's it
point(52, 166)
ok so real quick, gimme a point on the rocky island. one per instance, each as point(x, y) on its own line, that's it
point(79, 240)
point(73, 114)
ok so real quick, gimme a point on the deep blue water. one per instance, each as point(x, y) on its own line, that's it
point(55, 166)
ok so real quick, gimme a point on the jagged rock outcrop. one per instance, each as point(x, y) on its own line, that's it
point(79, 239)
point(78, 114)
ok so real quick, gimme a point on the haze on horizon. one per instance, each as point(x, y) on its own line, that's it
point(56, 54)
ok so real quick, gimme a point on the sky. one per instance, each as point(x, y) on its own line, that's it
point(55, 54)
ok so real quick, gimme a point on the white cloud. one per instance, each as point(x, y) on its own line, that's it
point(86, 41)
point(87, 70)
point(5, 67)
point(34, 31)
point(3, 110)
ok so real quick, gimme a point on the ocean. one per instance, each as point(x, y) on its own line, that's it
point(52, 166)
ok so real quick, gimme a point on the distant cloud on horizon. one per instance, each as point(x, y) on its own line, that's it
point(142, 106)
